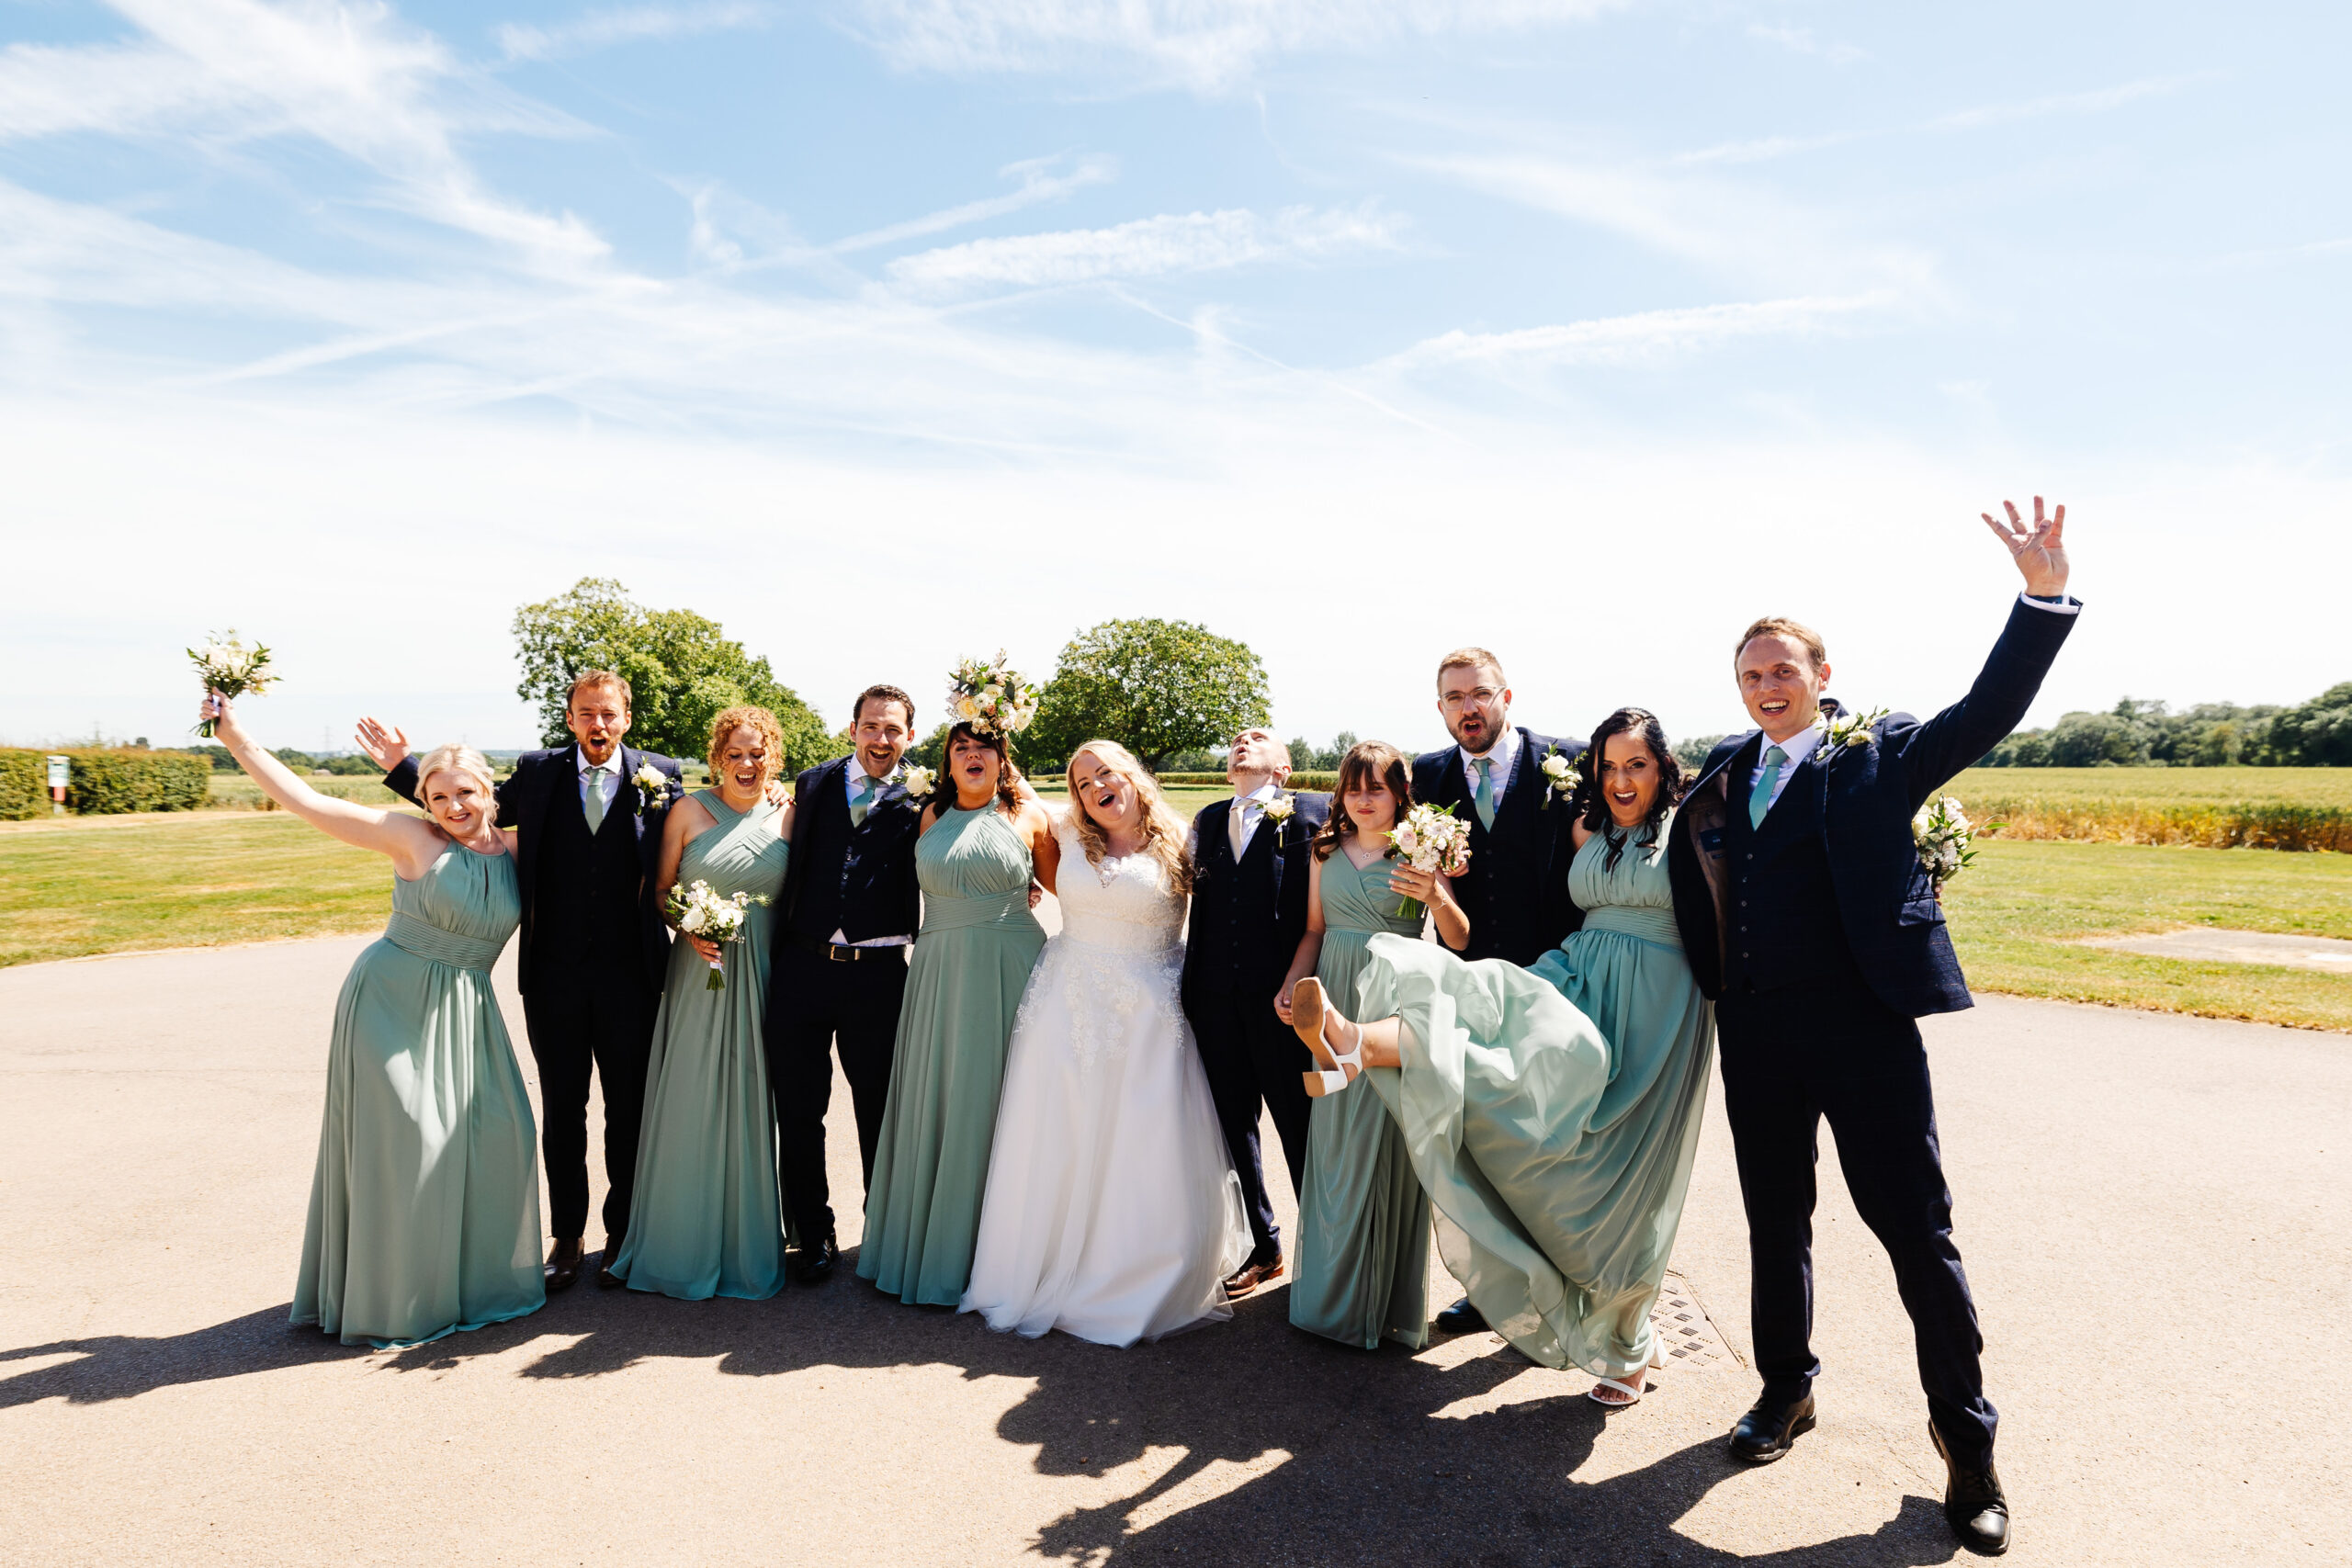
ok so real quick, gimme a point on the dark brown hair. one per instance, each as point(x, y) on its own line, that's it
point(1008, 774)
point(1670, 780)
point(881, 694)
point(1366, 762)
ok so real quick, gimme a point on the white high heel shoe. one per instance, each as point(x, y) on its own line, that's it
point(1307, 1006)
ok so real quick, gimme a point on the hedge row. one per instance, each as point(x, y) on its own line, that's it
point(104, 781)
point(2265, 826)
point(1312, 780)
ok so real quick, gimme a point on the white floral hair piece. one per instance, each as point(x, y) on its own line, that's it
point(993, 697)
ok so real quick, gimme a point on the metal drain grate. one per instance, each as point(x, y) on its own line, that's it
point(1690, 1341)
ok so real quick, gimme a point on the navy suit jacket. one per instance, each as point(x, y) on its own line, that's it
point(1516, 889)
point(879, 894)
point(1893, 920)
point(523, 798)
point(1247, 920)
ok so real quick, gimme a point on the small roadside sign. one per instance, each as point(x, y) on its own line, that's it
point(61, 773)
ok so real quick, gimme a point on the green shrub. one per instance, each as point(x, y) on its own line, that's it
point(1315, 780)
point(107, 782)
point(24, 785)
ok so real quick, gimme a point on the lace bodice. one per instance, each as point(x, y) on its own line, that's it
point(1124, 905)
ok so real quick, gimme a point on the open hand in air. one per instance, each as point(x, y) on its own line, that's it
point(386, 744)
point(2039, 551)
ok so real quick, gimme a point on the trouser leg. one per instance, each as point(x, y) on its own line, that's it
point(1223, 1038)
point(623, 1041)
point(562, 1047)
point(1279, 1062)
point(868, 1034)
point(1774, 1127)
point(798, 1039)
point(1881, 1107)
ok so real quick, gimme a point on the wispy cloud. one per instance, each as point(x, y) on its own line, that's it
point(1039, 182)
point(1204, 44)
point(2097, 101)
point(1646, 336)
point(637, 24)
point(1800, 41)
point(1149, 247)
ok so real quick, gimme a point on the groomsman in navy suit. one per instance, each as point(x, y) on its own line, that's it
point(1515, 889)
point(1250, 859)
point(594, 947)
point(1808, 917)
point(849, 909)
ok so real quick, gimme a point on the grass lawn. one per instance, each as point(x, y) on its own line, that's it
point(2017, 914)
point(79, 886)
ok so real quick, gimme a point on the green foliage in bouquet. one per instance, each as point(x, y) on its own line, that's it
point(683, 669)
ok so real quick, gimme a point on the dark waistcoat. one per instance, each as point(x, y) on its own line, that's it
point(1786, 930)
point(586, 903)
point(1247, 916)
point(855, 880)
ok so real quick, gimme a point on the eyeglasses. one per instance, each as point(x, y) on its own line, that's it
point(1452, 702)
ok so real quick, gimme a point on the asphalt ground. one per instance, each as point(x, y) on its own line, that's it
point(2154, 1211)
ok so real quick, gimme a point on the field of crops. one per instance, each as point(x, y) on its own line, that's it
point(2220, 808)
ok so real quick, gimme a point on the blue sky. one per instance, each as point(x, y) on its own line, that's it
point(892, 332)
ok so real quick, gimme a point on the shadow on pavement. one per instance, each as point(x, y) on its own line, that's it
point(1377, 1469)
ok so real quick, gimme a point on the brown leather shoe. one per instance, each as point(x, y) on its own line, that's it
point(1249, 1276)
point(605, 1278)
point(563, 1264)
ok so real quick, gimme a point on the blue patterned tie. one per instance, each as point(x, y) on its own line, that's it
point(1759, 799)
point(867, 786)
point(1485, 797)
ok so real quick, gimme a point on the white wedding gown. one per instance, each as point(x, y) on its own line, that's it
point(1112, 1211)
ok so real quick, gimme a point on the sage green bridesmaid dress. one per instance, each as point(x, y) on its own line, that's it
point(707, 1220)
point(1552, 1112)
point(1363, 1221)
point(425, 1209)
point(971, 963)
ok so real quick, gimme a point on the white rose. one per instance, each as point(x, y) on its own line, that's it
point(694, 920)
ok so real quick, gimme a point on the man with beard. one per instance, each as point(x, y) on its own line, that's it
point(1515, 889)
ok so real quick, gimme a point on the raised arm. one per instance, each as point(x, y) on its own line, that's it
point(412, 844)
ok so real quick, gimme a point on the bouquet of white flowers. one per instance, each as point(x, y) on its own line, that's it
point(1560, 775)
point(993, 698)
point(1430, 837)
point(227, 666)
point(1946, 839)
point(698, 911)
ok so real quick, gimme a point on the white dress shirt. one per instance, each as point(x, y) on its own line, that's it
point(1251, 810)
point(850, 777)
point(1501, 758)
point(1798, 747)
point(607, 777)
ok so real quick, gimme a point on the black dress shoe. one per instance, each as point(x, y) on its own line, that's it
point(605, 1278)
point(563, 1265)
point(1765, 1433)
point(814, 1264)
point(1461, 1318)
point(1973, 1506)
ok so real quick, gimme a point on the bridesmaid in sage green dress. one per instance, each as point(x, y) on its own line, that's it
point(708, 1219)
point(1363, 1221)
point(975, 860)
point(1552, 1112)
point(424, 1207)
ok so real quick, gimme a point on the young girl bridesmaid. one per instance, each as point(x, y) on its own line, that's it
point(1363, 1221)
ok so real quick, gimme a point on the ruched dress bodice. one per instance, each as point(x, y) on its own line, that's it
point(973, 870)
point(460, 912)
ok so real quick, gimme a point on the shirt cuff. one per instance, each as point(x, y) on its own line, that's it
point(2065, 605)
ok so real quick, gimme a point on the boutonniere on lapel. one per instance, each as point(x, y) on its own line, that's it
point(652, 787)
point(1278, 811)
point(1560, 775)
point(919, 782)
point(1841, 730)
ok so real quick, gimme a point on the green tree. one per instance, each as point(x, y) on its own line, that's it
point(2317, 734)
point(1157, 687)
point(681, 668)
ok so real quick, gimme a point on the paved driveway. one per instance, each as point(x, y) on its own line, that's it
point(2153, 1210)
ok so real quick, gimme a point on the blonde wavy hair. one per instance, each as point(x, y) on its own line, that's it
point(1164, 832)
point(453, 757)
point(760, 722)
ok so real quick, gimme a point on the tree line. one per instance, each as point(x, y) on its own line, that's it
point(2139, 733)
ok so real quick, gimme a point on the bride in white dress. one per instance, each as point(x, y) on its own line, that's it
point(1112, 1211)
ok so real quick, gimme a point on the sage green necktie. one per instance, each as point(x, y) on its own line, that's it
point(592, 799)
point(1485, 797)
point(1759, 799)
point(867, 785)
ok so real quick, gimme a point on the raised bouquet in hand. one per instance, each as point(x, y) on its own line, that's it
point(991, 697)
point(1946, 839)
point(1430, 837)
point(227, 666)
point(698, 911)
